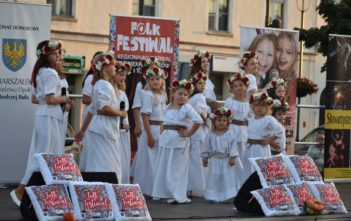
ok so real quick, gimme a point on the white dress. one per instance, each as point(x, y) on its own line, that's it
point(222, 181)
point(145, 160)
point(252, 85)
point(137, 103)
point(101, 152)
point(172, 164)
point(240, 111)
point(124, 140)
point(196, 180)
point(209, 91)
point(87, 91)
point(260, 129)
point(47, 134)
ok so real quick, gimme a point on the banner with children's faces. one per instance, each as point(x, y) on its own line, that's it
point(337, 122)
point(277, 56)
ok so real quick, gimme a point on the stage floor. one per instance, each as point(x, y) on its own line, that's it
point(198, 209)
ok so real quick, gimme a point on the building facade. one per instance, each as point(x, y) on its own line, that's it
point(213, 25)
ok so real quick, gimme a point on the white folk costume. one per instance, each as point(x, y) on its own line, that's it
point(48, 125)
point(87, 91)
point(145, 162)
point(172, 164)
point(102, 152)
point(240, 114)
point(209, 91)
point(124, 140)
point(252, 85)
point(258, 130)
point(222, 181)
point(196, 180)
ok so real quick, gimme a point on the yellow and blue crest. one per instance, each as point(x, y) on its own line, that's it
point(14, 53)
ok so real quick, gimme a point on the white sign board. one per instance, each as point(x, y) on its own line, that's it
point(22, 27)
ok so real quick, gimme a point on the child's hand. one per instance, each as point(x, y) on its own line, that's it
point(79, 136)
point(67, 107)
point(205, 162)
point(151, 141)
point(184, 133)
point(275, 146)
point(232, 161)
point(137, 131)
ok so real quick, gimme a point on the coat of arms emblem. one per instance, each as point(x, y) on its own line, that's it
point(14, 53)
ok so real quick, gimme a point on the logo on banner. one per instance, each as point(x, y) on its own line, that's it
point(14, 53)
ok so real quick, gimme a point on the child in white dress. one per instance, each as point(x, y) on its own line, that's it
point(263, 130)
point(48, 125)
point(240, 109)
point(172, 164)
point(221, 156)
point(279, 109)
point(122, 70)
point(249, 64)
point(196, 180)
point(102, 152)
point(152, 111)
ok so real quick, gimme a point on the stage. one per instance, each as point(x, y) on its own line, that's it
point(198, 209)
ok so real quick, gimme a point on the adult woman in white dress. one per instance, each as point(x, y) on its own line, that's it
point(102, 152)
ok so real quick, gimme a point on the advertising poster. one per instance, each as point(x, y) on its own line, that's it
point(277, 54)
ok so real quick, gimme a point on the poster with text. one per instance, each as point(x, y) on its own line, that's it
point(277, 55)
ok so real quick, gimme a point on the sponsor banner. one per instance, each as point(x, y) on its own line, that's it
point(22, 27)
point(337, 119)
point(277, 55)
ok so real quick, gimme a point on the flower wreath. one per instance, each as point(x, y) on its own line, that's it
point(238, 77)
point(276, 82)
point(183, 84)
point(199, 55)
point(122, 66)
point(155, 71)
point(101, 59)
point(222, 112)
point(245, 58)
point(198, 76)
point(146, 62)
point(52, 45)
point(260, 97)
point(280, 104)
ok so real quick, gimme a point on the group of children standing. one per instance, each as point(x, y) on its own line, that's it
point(184, 148)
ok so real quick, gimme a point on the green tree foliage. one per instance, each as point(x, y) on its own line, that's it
point(337, 15)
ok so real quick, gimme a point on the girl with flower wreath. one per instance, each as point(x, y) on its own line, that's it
point(263, 129)
point(200, 62)
point(221, 156)
point(249, 64)
point(277, 88)
point(196, 180)
point(172, 163)
point(152, 111)
point(118, 80)
point(102, 152)
point(49, 119)
point(279, 109)
point(240, 108)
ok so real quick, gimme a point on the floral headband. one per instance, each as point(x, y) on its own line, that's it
point(198, 76)
point(260, 97)
point(238, 77)
point(101, 59)
point(146, 62)
point(48, 48)
point(122, 66)
point(221, 112)
point(155, 71)
point(245, 58)
point(199, 55)
point(278, 82)
point(280, 104)
point(182, 84)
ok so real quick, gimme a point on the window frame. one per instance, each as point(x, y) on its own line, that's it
point(141, 8)
point(72, 14)
point(216, 19)
point(283, 9)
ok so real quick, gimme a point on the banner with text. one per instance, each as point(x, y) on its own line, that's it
point(277, 54)
point(337, 165)
point(22, 27)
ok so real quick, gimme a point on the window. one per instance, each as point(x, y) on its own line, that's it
point(144, 7)
point(218, 15)
point(276, 13)
point(62, 7)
